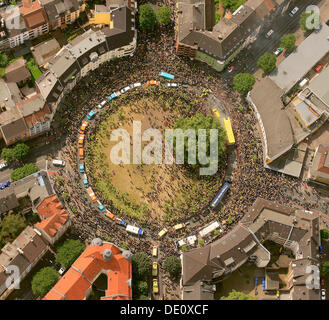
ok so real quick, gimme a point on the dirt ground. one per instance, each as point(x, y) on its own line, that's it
point(152, 185)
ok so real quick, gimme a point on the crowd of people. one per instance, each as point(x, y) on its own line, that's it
point(156, 53)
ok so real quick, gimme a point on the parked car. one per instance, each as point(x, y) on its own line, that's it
point(323, 294)
point(153, 83)
point(137, 84)
point(112, 96)
point(154, 251)
point(293, 11)
point(155, 286)
point(268, 34)
point(85, 183)
point(215, 111)
point(154, 269)
point(318, 68)
point(321, 249)
point(101, 208)
point(322, 282)
point(230, 69)
point(3, 165)
point(278, 51)
point(82, 168)
point(4, 184)
point(125, 89)
point(91, 114)
point(61, 270)
point(60, 163)
point(102, 104)
point(172, 84)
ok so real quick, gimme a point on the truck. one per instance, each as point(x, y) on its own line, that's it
point(81, 140)
point(135, 230)
point(83, 127)
point(167, 75)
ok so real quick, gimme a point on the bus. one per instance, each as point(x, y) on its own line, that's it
point(229, 131)
point(220, 195)
point(134, 230)
point(167, 75)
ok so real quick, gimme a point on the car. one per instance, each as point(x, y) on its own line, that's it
point(293, 11)
point(154, 269)
point(81, 140)
point(231, 68)
point(102, 104)
point(82, 168)
point(91, 114)
point(112, 96)
point(118, 93)
point(153, 83)
point(323, 294)
point(101, 208)
point(268, 34)
point(278, 293)
point(162, 232)
point(321, 250)
point(61, 270)
point(215, 111)
point(83, 127)
point(278, 51)
point(137, 84)
point(318, 68)
point(3, 165)
point(125, 89)
point(85, 183)
point(60, 163)
point(155, 286)
point(154, 251)
point(4, 184)
point(2, 4)
point(172, 84)
point(322, 282)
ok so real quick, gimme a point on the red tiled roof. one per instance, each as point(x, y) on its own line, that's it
point(52, 214)
point(85, 270)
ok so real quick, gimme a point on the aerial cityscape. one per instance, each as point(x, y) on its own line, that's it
point(164, 150)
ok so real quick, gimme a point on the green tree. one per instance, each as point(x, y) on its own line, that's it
point(143, 297)
point(147, 17)
point(7, 154)
point(163, 15)
point(142, 288)
point(288, 41)
point(232, 4)
point(324, 233)
point(243, 82)
point(267, 62)
point(20, 150)
point(11, 226)
point(325, 268)
point(236, 295)
point(141, 264)
point(172, 265)
point(44, 280)
point(3, 60)
point(24, 171)
point(68, 252)
point(199, 121)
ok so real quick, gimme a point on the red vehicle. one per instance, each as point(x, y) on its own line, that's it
point(322, 282)
point(318, 68)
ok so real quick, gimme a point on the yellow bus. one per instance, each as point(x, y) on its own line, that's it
point(229, 131)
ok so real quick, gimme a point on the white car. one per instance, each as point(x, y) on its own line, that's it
point(323, 294)
point(118, 93)
point(102, 104)
point(61, 270)
point(124, 90)
point(137, 84)
point(3, 165)
point(293, 11)
point(172, 84)
point(277, 52)
point(269, 33)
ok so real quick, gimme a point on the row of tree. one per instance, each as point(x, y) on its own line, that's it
point(18, 152)
point(148, 18)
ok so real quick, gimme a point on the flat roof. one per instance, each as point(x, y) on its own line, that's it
point(306, 55)
point(319, 86)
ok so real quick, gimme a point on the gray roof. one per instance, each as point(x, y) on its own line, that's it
point(308, 53)
point(43, 52)
point(265, 97)
point(8, 200)
point(319, 86)
point(61, 62)
point(32, 105)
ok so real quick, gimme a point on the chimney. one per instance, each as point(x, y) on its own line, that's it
point(27, 3)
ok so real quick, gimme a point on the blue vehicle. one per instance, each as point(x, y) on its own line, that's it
point(82, 168)
point(112, 96)
point(85, 183)
point(101, 208)
point(4, 184)
point(91, 114)
point(123, 223)
point(220, 195)
point(167, 75)
point(321, 249)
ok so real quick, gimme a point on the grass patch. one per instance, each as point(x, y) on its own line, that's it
point(34, 69)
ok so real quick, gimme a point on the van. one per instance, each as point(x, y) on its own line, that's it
point(162, 232)
point(154, 251)
point(81, 139)
point(303, 82)
point(60, 163)
point(81, 153)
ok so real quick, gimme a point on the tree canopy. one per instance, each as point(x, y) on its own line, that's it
point(232, 4)
point(324, 233)
point(18, 152)
point(11, 226)
point(163, 15)
point(7, 154)
point(24, 171)
point(288, 41)
point(243, 82)
point(68, 252)
point(147, 17)
point(236, 295)
point(199, 121)
point(325, 268)
point(267, 62)
point(44, 280)
point(3, 60)
point(141, 264)
point(172, 265)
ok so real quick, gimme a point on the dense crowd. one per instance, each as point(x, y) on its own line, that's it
point(155, 53)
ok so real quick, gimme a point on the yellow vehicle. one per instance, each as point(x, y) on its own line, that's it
point(162, 232)
point(277, 293)
point(155, 286)
point(216, 113)
point(178, 226)
point(229, 131)
point(154, 269)
point(154, 251)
